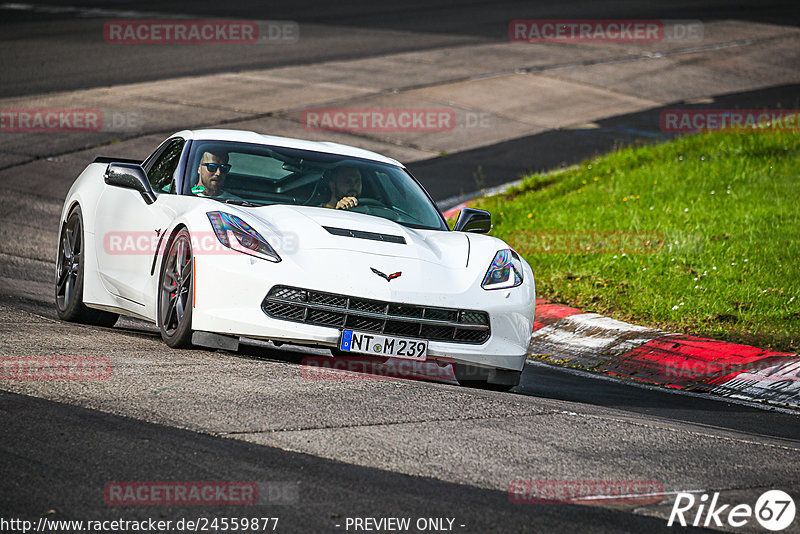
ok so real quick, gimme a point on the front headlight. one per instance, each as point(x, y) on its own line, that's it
point(504, 272)
point(234, 233)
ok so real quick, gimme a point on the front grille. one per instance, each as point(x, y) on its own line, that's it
point(390, 318)
point(326, 318)
point(371, 306)
point(325, 299)
point(287, 311)
point(287, 293)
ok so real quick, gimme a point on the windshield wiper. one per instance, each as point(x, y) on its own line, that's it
point(238, 202)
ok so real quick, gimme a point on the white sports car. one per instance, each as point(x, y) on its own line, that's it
point(222, 234)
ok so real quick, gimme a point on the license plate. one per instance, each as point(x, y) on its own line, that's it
point(387, 346)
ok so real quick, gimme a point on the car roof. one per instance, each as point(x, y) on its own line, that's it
point(245, 136)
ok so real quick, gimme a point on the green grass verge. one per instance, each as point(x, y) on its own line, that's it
point(700, 235)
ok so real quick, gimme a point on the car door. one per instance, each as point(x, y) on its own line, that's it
point(132, 230)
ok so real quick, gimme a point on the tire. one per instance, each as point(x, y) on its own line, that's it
point(176, 292)
point(69, 276)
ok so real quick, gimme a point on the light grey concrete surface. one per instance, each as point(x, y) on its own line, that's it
point(566, 84)
point(540, 101)
point(694, 75)
point(465, 125)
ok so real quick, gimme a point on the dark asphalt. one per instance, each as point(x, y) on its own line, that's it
point(59, 457)
point(547, 381)
point(553, 382)
point(58, 51)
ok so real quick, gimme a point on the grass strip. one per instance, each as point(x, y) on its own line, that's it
point(699, 235)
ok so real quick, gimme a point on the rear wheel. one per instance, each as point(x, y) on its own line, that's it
point(175, 293)
point(69, 276)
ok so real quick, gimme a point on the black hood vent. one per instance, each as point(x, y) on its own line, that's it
point(360, 234)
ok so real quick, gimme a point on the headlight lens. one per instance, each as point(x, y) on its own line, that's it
point(504, 272)
point(234, 233)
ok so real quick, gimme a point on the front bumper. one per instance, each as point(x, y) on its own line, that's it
point(230, 289)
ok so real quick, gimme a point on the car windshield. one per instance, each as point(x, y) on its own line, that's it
point(261, 175)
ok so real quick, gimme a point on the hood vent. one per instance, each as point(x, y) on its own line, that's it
point(360, 234)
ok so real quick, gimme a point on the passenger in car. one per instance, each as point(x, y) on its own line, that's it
point(345, 185)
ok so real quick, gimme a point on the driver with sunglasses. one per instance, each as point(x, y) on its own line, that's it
point(212, 171)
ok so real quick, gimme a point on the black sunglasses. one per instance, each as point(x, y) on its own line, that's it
point(213, 167)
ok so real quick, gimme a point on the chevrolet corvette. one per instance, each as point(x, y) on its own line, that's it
point(223, 234)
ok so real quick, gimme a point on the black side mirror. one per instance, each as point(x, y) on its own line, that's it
point(475, 221)
point(130, 176)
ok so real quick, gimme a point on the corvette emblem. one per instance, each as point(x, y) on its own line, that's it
point(389, 277)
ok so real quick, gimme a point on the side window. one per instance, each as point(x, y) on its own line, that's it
point(163, 167)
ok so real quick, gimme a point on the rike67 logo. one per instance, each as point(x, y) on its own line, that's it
point(774, 510)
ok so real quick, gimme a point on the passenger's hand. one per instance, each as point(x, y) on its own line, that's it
point(346, 203)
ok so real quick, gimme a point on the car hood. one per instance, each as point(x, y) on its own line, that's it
point(309, 228)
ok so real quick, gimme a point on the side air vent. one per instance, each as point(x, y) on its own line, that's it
point(359, 234)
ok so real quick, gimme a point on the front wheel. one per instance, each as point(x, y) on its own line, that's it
point(69, 276)
point(175, 293)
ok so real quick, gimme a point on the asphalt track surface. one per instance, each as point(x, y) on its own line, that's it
point(71, 453)
point(58, 455)
point(450, 178)
point(53, 51)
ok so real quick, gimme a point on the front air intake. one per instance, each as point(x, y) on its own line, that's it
point(390, 318)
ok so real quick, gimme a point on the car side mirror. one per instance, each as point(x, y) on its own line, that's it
point(475, 221)
point(130, 176)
